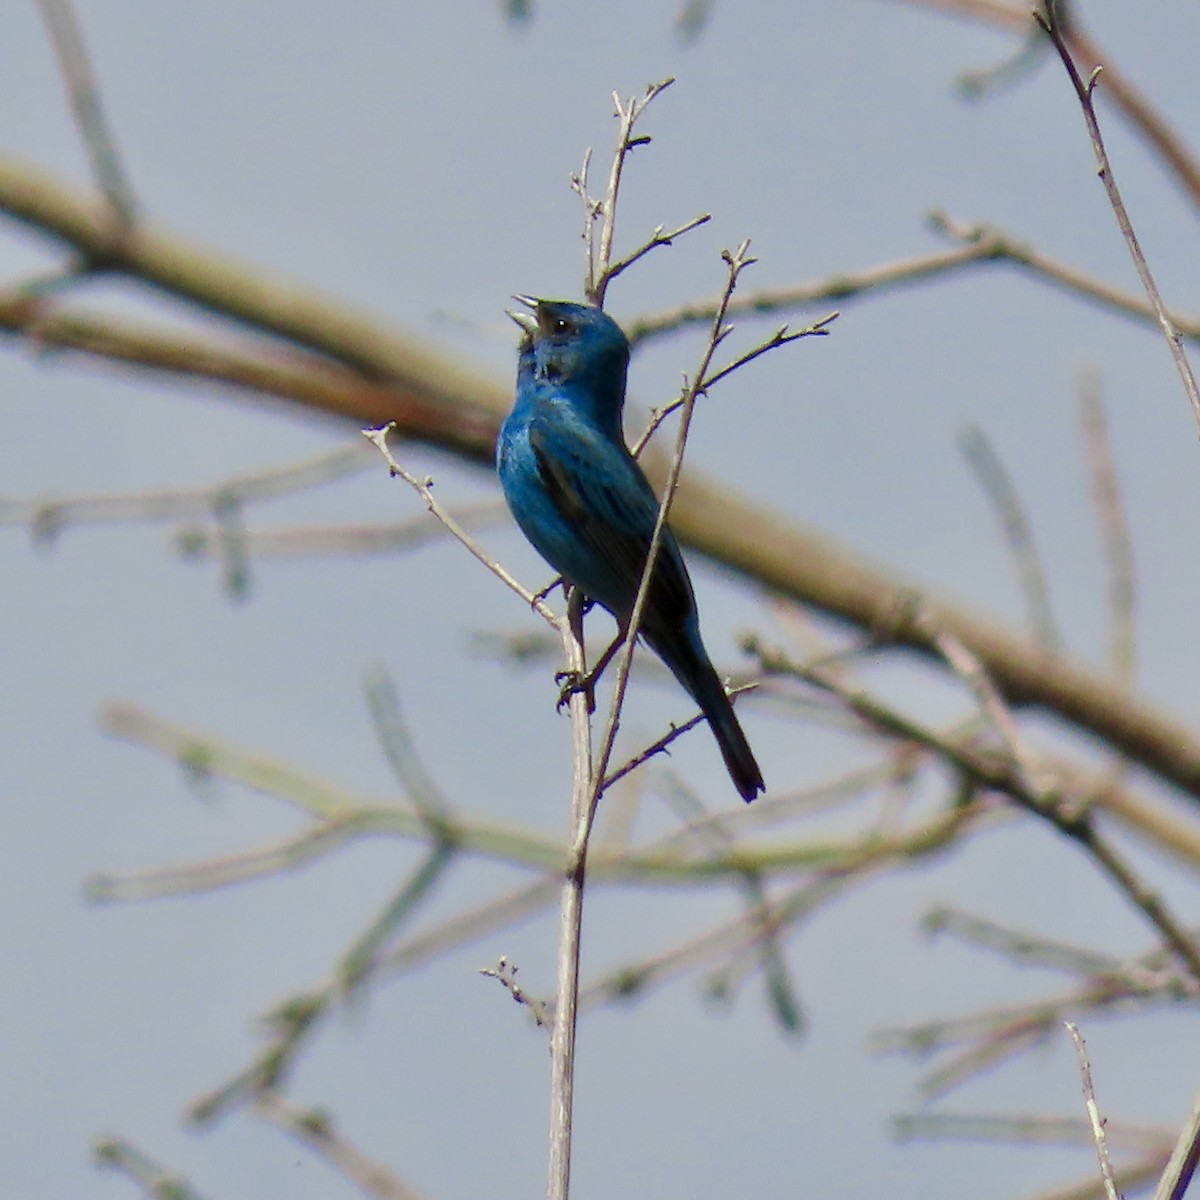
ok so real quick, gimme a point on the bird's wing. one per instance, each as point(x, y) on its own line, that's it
point(600, 490)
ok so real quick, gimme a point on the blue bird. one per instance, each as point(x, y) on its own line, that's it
point(581, 499)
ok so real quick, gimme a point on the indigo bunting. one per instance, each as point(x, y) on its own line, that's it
point(581, 499)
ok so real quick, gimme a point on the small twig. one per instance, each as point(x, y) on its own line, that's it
point(1085, 93)
point(780, 337)
point(763, 944)
point(77, 72)
point(1015, 774)
point(360, 961)
point(505, 973)
point(592, 208)
point(328, 541)
point(656, 239)
point(655, 748)
point(1021, 947)
point(991, 703)
point(424, 489)
point(154, 1180)
point(1184, 1159)
point(627, 113)
point(663, 743)
point(315, 1131)
point(399, 746)
point(974, 85)
point(978, 243)
point(731, 936)
point(1095, 1119)
point(1040, 1129)
point(1000, 490)
point(1118, 543)
point(735, 263)
point(48, 517)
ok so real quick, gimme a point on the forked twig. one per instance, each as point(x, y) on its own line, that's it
point(1015, 774)
point(627, 113)
point(424, 489)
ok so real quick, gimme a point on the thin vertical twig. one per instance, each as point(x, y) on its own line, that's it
point(1093, 1111)
point(566, 1005)
point(316, 1132)
point(399, 746)
point(1114, 528)
point(155, 1181)
point(627, 113)
point(588, 777)
point(76, 69)
point(1000, 490)
point(736, 262)
point(1184, 1159)
point(592, 209)
point(1086, 92)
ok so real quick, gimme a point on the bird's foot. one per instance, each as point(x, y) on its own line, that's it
point(559, 581)
point(572, 682)
point(538, 597)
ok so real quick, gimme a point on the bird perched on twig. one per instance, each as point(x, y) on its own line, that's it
point(581, 499)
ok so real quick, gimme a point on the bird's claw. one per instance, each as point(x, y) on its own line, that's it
point(571, 682)
point(539, 597)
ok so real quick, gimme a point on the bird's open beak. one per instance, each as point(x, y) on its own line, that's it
point(527, 321)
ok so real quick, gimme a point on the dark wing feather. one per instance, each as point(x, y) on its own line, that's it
point(599, 489)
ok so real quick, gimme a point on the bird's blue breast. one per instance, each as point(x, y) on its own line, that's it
point(540, 513)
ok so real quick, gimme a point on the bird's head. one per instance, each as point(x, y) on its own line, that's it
point(576, 347)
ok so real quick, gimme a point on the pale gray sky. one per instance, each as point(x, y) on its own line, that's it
point(413, 158)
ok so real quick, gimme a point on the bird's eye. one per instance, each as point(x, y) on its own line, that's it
point(561, 325)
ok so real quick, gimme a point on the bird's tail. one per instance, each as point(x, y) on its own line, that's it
point(690, 665)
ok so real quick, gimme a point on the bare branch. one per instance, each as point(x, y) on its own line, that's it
point(48, 517)
point(505, 973)
point(155, 1181)
point(979, 243)
point(447, 405)
point(1020, 946)
point(627, 113)
point(1085, 93)
point(1014, 775)
point(327, 541)
point(998, 486)
point(1184, 1159)
point(69, 46)
point(1118, 542)
point(735, 262)
point(424, 489)
point(400, 748)
point(316, 1132)
point(1039, 1129)
point(656, 239)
